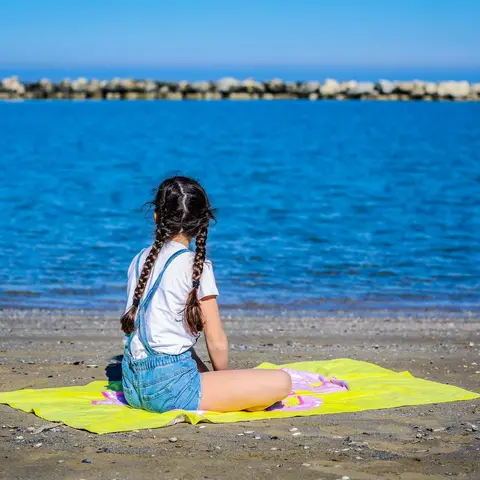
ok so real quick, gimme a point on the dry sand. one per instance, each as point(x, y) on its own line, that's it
point(39, 348)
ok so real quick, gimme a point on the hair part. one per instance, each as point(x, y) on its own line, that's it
point(181, 206)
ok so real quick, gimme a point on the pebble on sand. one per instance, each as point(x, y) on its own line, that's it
point(173, 439)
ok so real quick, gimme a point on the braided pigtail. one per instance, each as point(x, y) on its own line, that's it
point(128, 319)
point(193, 312)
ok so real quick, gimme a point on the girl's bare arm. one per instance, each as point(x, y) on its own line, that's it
point(215, 337)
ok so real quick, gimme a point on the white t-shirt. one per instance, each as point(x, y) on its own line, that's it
point(165, 327)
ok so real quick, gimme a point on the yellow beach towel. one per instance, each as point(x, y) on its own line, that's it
point(98, 407)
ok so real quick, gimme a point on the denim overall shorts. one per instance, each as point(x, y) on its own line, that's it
point(159, 382)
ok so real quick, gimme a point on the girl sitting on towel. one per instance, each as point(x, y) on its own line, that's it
point(172, 297)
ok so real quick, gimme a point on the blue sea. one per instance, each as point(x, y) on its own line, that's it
point(321, 205)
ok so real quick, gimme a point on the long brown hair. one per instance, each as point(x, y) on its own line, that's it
point(181, 206)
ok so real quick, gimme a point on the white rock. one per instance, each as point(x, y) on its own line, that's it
point(362, 88)
point(453, 89)
point(431, 88)
point(385, 87)
point(80, 84)
point(418, 89)
point(404, 87)
point(253, 86)
point(311, 87)
point(13, 85)
point(347, 86)
point(202, 87)
point(276, 85)
point(475, 88)
point(46, 84)
point(227, 84)
point(330, 88)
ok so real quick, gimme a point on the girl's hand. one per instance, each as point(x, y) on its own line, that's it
point(215, 337)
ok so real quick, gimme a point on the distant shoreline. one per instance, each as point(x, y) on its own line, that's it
point(229, 88)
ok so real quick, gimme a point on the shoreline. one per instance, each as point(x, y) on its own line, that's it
point(264, 311)
point(229, 88)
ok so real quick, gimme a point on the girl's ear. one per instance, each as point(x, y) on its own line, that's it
point(155, 217)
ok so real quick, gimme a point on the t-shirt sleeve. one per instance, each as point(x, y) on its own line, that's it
point(208, 286)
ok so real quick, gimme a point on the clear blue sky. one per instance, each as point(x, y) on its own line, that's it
point(366, 33)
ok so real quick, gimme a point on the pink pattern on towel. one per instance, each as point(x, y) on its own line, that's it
point(305, 388)
point(112, 398)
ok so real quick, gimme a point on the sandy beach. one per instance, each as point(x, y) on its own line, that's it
point(42, 348)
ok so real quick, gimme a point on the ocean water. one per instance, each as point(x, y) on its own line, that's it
point(321, 205)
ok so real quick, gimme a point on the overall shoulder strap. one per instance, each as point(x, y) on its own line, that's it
point(154, 287)
point(141, 318)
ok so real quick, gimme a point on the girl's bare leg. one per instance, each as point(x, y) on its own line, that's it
point(234, 390)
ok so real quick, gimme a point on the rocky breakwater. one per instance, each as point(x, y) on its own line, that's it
point(12, 88)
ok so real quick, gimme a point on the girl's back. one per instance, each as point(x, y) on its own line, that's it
point(165, 326)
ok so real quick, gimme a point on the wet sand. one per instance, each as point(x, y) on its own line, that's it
point(47, 349)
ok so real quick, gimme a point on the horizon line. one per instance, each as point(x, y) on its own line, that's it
point(243, 66)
